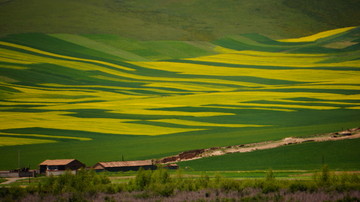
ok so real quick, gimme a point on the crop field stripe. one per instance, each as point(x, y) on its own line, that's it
point(196, 123)
point(12, 141)
point(154, 50)
point(217, 97)
point(319, 35)
point(293, 75)
point(88, 43)
point(227, 64)
point(280, 60)
point(62, 56)
point(47, 136)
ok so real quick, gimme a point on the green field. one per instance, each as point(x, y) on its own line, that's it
point(309, 156)
point(97, 97)
point(177, 20)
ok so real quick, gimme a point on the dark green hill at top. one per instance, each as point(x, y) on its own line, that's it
point(177, 20)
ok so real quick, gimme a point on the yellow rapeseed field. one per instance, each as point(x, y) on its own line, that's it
point(198, 123)
point(62, 56)
point(236, 80)
point(11, 141)
point(49, 136)
point(59, 120)
point(259, 58)
point(299, 75)
point(318, 35)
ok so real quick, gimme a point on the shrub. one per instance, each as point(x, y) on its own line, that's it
point(13, 193)
point(165, 190)
point(347, 178)
point(270, 187)
point(186, 185)
point(84, 181)
point(203, 181)
point(143, 195)
point(270, 175)
point(298, 186)
point(347, 198)
point(142, 179)
point(158, 182)
point(113, 188)
point(325, 174)
point(160, 176)
point(77, 197)
point(3, 192)
point(109, 199)
point(228, 185)
point(346, 182)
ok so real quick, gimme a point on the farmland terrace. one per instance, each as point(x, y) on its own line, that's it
point(98, 97)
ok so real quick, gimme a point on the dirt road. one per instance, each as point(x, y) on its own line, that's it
point(11, 180)
point(217, 151)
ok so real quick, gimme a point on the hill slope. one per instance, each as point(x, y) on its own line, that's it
point(95, 98)
point(177, 20)
point(310, 156)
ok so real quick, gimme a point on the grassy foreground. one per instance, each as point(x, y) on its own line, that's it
point(159, 185)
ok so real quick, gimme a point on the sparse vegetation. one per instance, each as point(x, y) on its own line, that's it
point(157, 184)
point(85, 181)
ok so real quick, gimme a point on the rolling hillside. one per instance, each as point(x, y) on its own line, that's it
point(98, 97)
point(178, 20)
point(310, 156)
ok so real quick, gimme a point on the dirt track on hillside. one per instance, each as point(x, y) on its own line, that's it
point(218, 151)
point(12, 180)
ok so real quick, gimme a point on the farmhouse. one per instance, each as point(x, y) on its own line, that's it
point(59, 166)
point(125, 165)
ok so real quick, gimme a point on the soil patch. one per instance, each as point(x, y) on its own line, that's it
point(218, 151)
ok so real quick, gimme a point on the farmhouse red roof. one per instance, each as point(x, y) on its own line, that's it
point(57, 162)
point(126, 163)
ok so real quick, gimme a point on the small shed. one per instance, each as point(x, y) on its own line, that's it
point(59, 166)
point(115, 166)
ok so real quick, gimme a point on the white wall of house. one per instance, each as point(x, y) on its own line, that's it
point(58, 172)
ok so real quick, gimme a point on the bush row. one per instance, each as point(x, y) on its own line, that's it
point(160, 183)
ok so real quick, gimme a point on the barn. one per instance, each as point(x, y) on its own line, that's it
point(59, 166)
point(125, 165)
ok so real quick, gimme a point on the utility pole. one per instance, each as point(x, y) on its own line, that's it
point(29, 174)
point(19, 159)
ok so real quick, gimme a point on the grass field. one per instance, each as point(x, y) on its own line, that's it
point(95, 98)
point(309, 156)
point(178, 20)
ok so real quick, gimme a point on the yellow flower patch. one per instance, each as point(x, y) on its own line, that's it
point(198, 123)
point(11, 141)
point(318, 35)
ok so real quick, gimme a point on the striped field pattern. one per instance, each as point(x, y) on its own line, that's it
point(89, 97)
